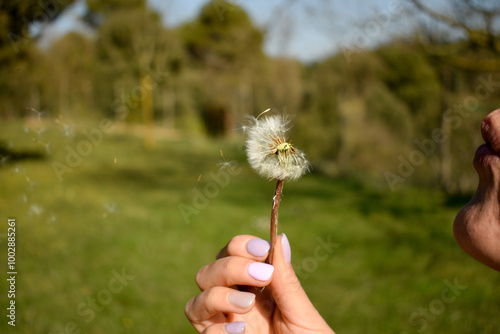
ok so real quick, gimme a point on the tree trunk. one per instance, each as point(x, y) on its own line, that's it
point(169, 103)
point(445, 147)
point(64, 97)
point(446, 157)
point(147, 110)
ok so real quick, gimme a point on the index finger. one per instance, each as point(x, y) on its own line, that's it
point(247, 246)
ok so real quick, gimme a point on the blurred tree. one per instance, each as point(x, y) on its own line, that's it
point(472, 38)
point(71, 62)
point(465, 37)
point(133, 46)
point(21, 23)
point(341, 101)
point(98, 10)
point(319, 120)
point(17, 18)
point(284, 84)
point(225, 46)
point(408, 74)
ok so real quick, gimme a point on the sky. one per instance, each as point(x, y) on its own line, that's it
point(306, 30)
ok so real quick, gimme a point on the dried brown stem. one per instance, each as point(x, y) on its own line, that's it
point(274, 219)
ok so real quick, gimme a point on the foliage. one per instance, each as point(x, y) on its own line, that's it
point(18, 54)
point(223, 43)
point(409, 76)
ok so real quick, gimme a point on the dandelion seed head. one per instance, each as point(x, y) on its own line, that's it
point(270, 153)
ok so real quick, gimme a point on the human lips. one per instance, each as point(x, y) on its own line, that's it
point(486, 156)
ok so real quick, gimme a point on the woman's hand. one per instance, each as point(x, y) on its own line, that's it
point(240, 294)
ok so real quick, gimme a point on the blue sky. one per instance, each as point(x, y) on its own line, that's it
point(306, 30)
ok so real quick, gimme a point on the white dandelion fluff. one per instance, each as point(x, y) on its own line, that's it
point(270, 153)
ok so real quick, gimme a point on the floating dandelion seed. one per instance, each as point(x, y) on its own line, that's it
point(35, 209)
point(38, 113)
point(66, 129)
point(31, 183)
point(4, 159)
point(110, 208)
point(273, 156)
point(18, 170)
point(39, 132)
point(225, 164)
point(47, 145)
point(52, 218)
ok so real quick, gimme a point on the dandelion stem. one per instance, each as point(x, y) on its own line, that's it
point(274, 219)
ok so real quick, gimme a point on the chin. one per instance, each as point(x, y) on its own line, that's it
point(478, 235)
point(477, 226)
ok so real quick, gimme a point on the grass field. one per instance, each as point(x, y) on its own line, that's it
point(105, 248)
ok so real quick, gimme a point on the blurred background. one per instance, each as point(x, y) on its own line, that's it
point(123, 162)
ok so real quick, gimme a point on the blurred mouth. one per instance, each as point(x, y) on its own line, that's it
point(486, 156)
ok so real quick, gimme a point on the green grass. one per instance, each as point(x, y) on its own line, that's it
point(393, 250)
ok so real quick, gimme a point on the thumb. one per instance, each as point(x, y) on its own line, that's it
point(290, 297)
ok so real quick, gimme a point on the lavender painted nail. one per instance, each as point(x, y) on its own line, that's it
point(235, 327)
point(260, 271)
point(258, 247)
point(287, 251)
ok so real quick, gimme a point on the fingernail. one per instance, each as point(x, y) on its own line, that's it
point(258, 247)
point(287, 251)
point(235, 327)
point(260, 271)
point(241, 299)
